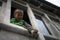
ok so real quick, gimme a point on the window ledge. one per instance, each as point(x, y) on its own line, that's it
point(15, 28)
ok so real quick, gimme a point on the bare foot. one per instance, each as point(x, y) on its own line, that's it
point(34, 32)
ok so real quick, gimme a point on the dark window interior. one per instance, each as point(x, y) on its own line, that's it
point(0, 3)
point(53, 19)
point(47, 8)
point(34, 2)
point(25, 17)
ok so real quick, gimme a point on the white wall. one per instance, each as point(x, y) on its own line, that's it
point(55, 2)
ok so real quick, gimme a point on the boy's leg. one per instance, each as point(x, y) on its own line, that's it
point(31, 30)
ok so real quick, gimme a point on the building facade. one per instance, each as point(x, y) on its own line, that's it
point(37, 13)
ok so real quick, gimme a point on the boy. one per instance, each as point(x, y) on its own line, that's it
point(18, 15)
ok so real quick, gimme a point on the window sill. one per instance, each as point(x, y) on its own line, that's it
point(15, 28)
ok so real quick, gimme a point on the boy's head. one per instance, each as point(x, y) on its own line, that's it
point(18, 14)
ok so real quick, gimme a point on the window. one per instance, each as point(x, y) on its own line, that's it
point(55, 22)
point(25, 16)
point(19, 6)
point(41, 25)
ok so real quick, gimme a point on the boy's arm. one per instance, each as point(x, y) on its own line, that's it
point(12, 20)
point(28, 25)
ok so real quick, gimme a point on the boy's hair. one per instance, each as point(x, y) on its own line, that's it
point(18, 11)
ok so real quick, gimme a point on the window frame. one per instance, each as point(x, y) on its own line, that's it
point(42, 21)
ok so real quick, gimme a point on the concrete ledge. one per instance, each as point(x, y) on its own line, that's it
point(15, 28)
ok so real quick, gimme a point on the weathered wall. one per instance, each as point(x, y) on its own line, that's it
point(5, 35)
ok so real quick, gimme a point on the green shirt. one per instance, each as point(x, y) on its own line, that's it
point(21, 23)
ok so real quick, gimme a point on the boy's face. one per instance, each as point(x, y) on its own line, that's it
point(18, 15)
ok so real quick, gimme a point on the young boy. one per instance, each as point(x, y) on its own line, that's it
point(18, 20)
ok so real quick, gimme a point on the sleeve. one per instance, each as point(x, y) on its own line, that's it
point(12, 20)
point(28, 25)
